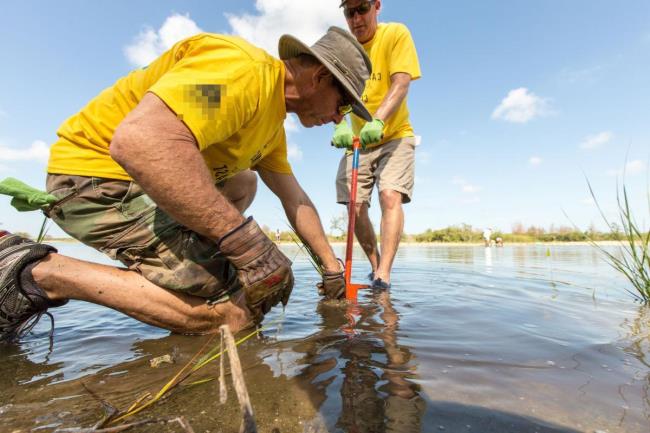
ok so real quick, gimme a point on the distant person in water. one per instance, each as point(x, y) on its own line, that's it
point(487, 236)
point(155, 172)
point(387, 159)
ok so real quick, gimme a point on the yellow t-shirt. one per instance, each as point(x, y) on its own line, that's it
point(391, 50)
point(229, 93)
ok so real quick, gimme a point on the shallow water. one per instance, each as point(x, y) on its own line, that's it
point(514, 339)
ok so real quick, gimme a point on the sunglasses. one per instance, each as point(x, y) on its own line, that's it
point(362, 9)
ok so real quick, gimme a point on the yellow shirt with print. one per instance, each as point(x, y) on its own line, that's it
point(391, 50)
point(229, 93)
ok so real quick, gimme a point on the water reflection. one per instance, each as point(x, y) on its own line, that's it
point(358, 356)
point(638, 346)
point(487, 252)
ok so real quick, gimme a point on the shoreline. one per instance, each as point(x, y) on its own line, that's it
point(480, 244)
point(450, 244)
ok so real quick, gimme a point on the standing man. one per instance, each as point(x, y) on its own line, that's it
point(388, 141)
point(154, 172)
point(487, 236)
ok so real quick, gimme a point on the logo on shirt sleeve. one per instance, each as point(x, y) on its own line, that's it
point(206, 97)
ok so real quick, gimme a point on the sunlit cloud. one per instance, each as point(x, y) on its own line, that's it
point(307, 20)
point(294, 153)
point(291, 123)
point(535, 160)
point(631, 168)
point(37, 151)
point(596, 140)
point(465, 186)
point(521, 106)
point(151, 43)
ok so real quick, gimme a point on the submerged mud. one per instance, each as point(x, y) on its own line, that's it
point(468, 340)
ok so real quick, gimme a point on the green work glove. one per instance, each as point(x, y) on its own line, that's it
point(342, 136)
point(25, 198)
point(372, 132)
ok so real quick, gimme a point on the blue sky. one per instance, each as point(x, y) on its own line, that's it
point(519, 100)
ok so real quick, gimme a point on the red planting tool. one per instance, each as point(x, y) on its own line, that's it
point(352, 288)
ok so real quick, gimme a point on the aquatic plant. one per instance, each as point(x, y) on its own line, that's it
point(633, 260)
point(313, 257)
point(197, 362)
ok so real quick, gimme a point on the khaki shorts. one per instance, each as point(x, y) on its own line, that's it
point(117, 218)
point(390, 166)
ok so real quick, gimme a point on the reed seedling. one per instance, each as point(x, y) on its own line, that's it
point(633, 260)
point(313, 258)
point(196, 363)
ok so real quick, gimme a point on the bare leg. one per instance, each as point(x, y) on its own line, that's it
point(130, 293)
point(241, 189)
point(392, 224)
point(366, 235)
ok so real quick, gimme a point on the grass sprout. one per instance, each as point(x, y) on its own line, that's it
point(196, 363)
point(634, 245)
point(313, 257)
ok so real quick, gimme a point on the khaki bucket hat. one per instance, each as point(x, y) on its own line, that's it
point(342, 55)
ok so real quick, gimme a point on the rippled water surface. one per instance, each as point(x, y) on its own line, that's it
point(516, 339)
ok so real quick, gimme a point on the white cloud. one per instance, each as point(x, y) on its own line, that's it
point(150, 43)
point(631, 168)
point(418, 140)
point(596, 140)
point(294, 153)
point(37, 151)
point(465, 186)
point(635, 167)
point(521, 106)
point(291, 124)
point(3, 168)
point(307, 20)
point(588, 201)
point(535, 160)
point(469, 188)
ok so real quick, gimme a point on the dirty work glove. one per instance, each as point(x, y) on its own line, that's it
point(265, 273)
point(342, 136)
point(333, 284)
point(372, 132)
point(25, 198)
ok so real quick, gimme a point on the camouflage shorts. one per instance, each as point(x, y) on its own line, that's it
point(117, 218)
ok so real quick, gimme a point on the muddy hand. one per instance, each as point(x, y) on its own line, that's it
point(333, 284)
point(264, 271)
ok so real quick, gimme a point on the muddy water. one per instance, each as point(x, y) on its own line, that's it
point(515, 339)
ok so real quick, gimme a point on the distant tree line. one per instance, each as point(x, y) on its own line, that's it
point(519, 233)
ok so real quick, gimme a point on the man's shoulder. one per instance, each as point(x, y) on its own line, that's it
point(394, 28)
point(210, 41)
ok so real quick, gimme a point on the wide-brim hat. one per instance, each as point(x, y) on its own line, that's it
point(342, 55)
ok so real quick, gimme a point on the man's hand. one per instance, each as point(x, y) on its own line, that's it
point(333, 284)
point(342, 136)
point(372, 132)
point(265, 273)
